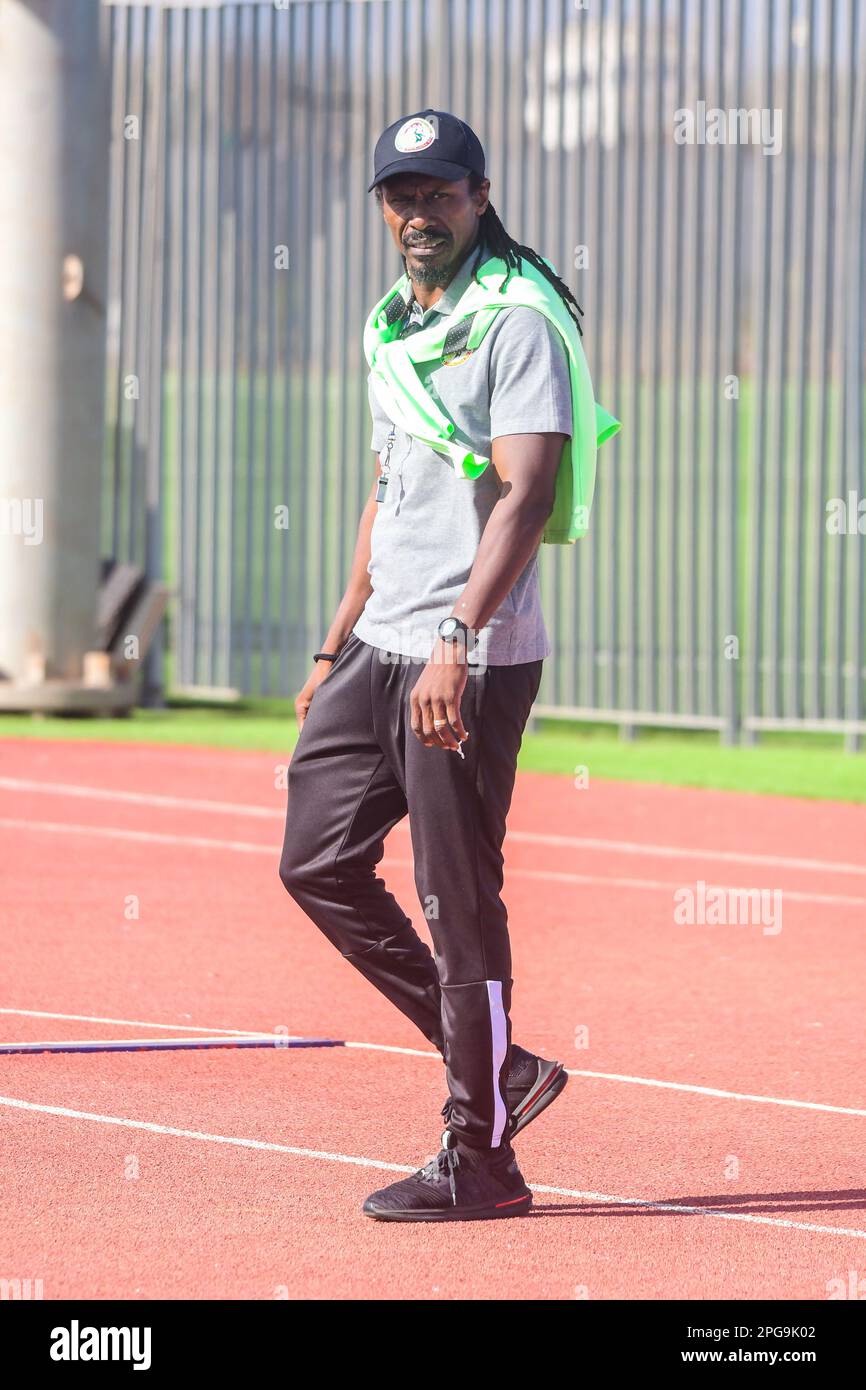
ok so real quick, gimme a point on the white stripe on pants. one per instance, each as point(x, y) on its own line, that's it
point(499, 1041)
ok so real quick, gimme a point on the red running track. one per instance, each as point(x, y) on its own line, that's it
point(708, 1145)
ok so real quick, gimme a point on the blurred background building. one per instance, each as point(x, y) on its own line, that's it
point(723, 290)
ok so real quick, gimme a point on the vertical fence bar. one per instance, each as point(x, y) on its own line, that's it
point(800, 386)
point(252, 191)
point(656, 162)
point(216, 47)
point(154, 271)
point(600, 691)
point(119, 499)
point(186, 595)
point(201, 309)
point(138, 288)
point(821, 322)
point(616, 584)
point(855, 469)
point(236, 227)
point(711, 382)
point(326, 491)
point(631, 553)
point(271, 282)
point(835, 440)
point(671, 513)
point(290, 463)
point(693, 271)
point(731, 478)
point(349, 177)
point(757, 454)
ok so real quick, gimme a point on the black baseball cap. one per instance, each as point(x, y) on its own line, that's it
point(429, 142)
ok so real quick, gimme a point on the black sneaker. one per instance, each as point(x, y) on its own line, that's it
point(532, 1084)
point(459, 1184)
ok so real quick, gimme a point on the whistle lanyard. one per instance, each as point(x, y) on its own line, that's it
point(386, 465)
point(382, 484)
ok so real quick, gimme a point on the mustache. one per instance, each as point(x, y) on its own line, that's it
point(426, 239)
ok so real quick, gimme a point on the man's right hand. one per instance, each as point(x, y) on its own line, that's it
point(320, 672)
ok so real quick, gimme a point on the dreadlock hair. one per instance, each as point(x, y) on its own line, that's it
point(496, 240)
point(499, 243)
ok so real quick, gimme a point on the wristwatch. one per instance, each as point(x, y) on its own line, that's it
point(455, 630)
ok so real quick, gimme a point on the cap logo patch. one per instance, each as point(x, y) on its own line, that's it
point(414, 135)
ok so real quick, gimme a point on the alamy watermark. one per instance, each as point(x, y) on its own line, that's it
point(711, 125)
point(22, 516)
point(846, 516)
point(852, 1285)
point(77, 1343)
point(410, 643)
point(704, 905)
point(21, 1290)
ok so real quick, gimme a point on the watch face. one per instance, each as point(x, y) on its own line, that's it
point(447, 627)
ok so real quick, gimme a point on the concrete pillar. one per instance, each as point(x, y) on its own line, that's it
point(54, 129)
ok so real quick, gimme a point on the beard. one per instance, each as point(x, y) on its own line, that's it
point(425, 273)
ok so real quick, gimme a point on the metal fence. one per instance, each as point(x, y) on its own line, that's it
point(695, 170)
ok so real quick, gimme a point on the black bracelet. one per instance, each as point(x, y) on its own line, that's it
point(325, 656)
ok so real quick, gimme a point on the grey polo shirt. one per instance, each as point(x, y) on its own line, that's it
point(426, 532)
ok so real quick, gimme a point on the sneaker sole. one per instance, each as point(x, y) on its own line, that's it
point(549, 1085)
point(517, 1206)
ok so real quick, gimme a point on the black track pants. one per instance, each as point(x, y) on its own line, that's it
point(357, 769)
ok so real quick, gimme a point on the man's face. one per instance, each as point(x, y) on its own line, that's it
point(433, 222)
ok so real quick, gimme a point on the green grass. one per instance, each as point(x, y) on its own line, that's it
point(803, 765)
point(813, 766)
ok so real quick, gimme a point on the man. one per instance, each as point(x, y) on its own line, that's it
point(438, 643)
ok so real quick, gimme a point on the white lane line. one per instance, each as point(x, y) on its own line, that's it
point(660, 885)
point(828, 866)
point(404, 1051)
point(128, 1022)
point(713, 1091)
point(702, 1211)
point(261, 1144)
point(153, 837)
point(778, 861)
point(173, 803)
point(144, 837)
point(723, 1095)
point(152, 1128)
point(193, 1028)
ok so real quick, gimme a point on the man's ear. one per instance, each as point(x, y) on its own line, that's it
point(482, 196)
